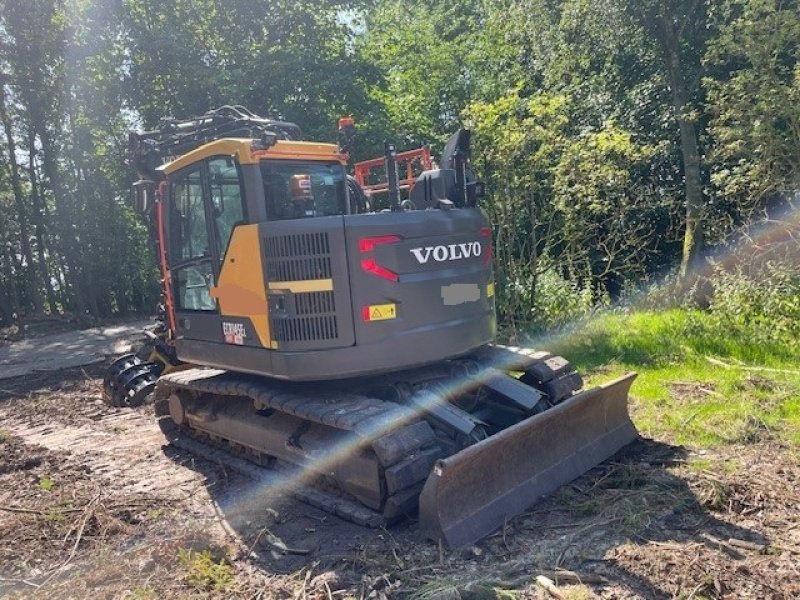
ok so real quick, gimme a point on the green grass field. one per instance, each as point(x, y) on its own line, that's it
point(699, 382)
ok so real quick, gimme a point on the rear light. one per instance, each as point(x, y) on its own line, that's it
point(368, 244)
point(373, 268)
point(487, 256)
point(370, 265)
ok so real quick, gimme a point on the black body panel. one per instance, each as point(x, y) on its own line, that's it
point(440, 290)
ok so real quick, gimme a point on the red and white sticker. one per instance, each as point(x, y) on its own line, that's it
point(234, 333)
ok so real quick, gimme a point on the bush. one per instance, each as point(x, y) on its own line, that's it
point(764, 306)
point(549, 303)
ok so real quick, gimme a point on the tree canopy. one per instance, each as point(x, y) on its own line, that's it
point(618, 138)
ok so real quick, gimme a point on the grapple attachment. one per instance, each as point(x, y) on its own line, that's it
point(473, 492)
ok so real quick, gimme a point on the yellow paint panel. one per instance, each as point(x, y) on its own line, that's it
point(291, 150)
point(490, 290)
point(241, 148)
point(238, 147)
point(241, 291)
point(299, 287)
point(382, 312)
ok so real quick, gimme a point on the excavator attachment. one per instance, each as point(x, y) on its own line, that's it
point(475, 491)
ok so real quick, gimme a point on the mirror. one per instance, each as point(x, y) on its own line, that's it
point(144, 196)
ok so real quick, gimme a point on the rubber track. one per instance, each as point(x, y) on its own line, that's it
point(210, 450)
point(368, 418)
point(360, 414)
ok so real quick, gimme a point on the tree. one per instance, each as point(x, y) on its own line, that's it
point(754, 99)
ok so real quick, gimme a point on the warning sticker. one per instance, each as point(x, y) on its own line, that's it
point(234, 333)
point(380, 312)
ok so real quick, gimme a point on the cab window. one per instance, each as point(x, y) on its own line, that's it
point(189, 217)
point(296, 190)
point(191, 257)
point(227, 200)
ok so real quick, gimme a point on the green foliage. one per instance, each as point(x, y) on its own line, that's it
point(698, 383)
point(764, 307)
point(587, 118)
point(4, 436)
point(46, 483)
point(205, 572)
point(754, 98)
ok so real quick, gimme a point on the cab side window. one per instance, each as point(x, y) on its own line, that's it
point(227, 200)
point(191, 260)
point(190, 230)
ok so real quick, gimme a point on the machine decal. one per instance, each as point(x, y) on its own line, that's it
point(379, 312)
point(234, 333)
point(447, 253)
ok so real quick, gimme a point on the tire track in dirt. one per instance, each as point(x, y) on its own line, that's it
point(125, 447)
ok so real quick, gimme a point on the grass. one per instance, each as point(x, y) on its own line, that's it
point(204, 571)
point(699, 383)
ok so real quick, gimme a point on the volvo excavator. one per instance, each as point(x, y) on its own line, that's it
point(347, 331)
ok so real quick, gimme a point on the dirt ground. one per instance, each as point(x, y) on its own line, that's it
point(94, 504)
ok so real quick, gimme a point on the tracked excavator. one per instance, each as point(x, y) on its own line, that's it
point(344, 331)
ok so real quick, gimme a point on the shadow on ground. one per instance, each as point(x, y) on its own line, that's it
point(629, 525)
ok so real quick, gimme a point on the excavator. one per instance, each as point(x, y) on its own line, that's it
point(347, 330)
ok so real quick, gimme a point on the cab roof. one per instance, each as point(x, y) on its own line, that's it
point(247, 152)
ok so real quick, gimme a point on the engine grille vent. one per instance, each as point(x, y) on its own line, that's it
point(305, 329)
point(298, 257)
point(314, 303)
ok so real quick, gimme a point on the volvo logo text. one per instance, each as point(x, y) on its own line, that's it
point(447, 253)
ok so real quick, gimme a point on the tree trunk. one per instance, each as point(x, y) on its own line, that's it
point(687, 125)
point(38, 223)
point(10, 285)
point(693, 235)
point(32, 279)
point(65, 217)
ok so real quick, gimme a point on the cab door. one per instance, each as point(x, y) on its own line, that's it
point(206, 203)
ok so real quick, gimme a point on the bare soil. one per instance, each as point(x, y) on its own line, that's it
point(94, 504)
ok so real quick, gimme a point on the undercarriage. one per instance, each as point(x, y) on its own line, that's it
point(466, 443)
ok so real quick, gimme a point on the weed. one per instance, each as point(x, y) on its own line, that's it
point(4, 436)
point(155, 513)
point(576, 592)
point(55, 515)
point(204, 571)
point(449, 589)
point(716, 495)
point(46, 483)
point(142, 593)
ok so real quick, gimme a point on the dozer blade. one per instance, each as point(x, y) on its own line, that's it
point(473, 492)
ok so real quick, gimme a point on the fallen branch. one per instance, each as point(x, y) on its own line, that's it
point(567, 576)
point(23, 581)
point(32, 511)
point(761, 548)
point(719, 363)
point(87, 514)
point(548, 586)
